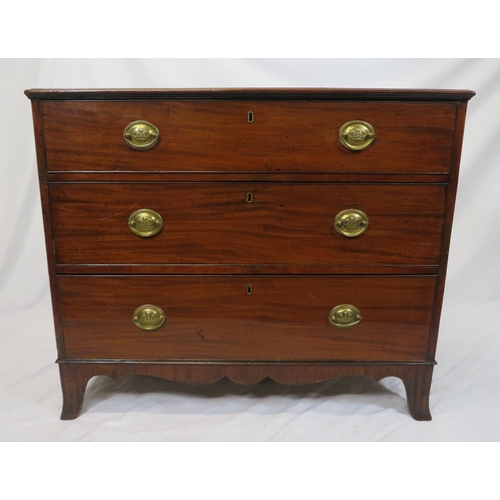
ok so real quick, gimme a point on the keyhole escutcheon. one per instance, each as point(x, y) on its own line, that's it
point(249, 289)
point(249, 197)
point(250, 117)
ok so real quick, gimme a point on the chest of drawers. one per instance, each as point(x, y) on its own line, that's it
point(296, 234)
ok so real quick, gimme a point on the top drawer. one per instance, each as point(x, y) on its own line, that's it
point(220, 136)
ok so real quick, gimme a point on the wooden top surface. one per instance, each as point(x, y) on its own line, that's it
point(255, 93)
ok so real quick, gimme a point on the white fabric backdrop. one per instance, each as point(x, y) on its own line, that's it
point(465, 401)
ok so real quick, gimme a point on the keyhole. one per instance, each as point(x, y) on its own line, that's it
point(249, 198)
point(249, 289)
point(250, 117)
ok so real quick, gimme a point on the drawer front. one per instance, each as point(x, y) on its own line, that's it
point(213, 136)
point(216, 318)
point(248, 223)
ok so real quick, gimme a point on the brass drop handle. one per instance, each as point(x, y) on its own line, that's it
point(345, 316)
point(148, 317)
point(145, 223)
point(356, 135)
point(141, 135)
point(351, 222)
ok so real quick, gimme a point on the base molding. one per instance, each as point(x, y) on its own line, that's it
point(75, 374)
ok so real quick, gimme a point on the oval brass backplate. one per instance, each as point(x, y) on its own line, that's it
point(145, 222)
point(345, 316)
point(351, 222)
point(141, 135)
point(356, 135)
point(148, 317)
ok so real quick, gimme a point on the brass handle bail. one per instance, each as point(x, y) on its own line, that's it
point(145, 223)
point(351, 222)
point(356, 135)
point(141, 135)
point(148, 317)
point(345, 316)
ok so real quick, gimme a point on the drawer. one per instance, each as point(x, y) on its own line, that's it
point(248, 223)
point(216, 136)
point(215, 318)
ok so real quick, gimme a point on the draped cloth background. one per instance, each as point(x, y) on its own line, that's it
point(465, 401)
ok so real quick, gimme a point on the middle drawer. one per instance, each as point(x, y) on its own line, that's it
point(249, 223)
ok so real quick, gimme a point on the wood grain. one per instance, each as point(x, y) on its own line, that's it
point(213, 223)
point(47, 223)
point(417, 377)
point(451, 193)
point(286, 136)
point(213, 317)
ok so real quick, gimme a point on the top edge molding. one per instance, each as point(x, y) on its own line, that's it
point(291, 93)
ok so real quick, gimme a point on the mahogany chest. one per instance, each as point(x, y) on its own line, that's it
point(296, 234)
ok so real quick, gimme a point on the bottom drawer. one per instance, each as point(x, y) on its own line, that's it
point(267, 318)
